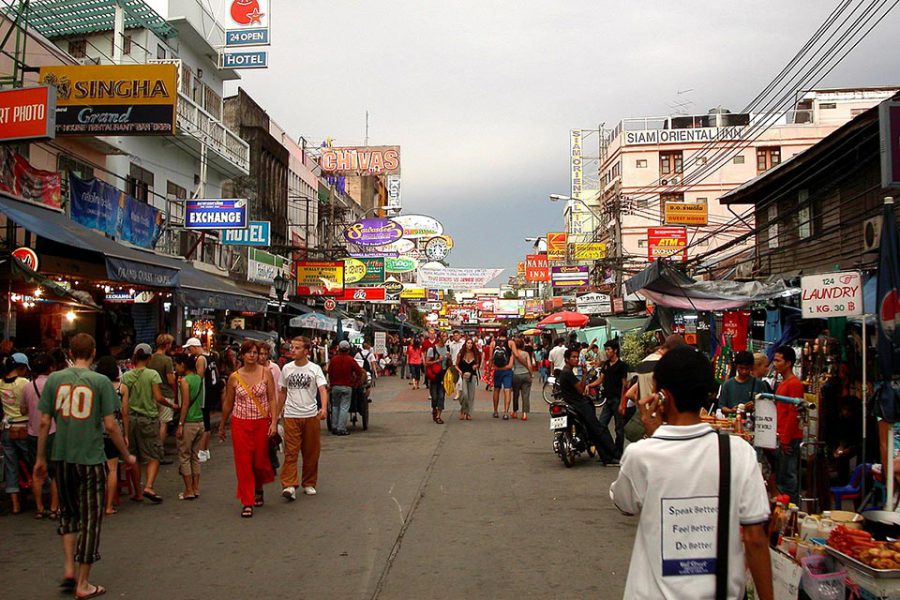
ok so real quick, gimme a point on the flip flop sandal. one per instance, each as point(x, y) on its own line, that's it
point(99, 590)
point(40, 515)
point(153, 497)
point(258, 501)
point(247, 512)
point(108, 513)
point(53, 515)
point(182, 496)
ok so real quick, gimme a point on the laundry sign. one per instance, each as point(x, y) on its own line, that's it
point(832, 295)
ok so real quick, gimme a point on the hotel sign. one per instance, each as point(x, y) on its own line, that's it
point(687, 213)
point(682, 136)
point(114, 99)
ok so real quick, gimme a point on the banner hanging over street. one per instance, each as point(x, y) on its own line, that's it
point(98, 205)
point(456, 279)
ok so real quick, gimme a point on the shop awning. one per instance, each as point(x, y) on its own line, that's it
point(666, 286)
point(54, 291)
point(123, 263)
point(200, 289)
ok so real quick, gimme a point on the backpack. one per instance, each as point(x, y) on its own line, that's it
point(500, 357)
point(367, 366)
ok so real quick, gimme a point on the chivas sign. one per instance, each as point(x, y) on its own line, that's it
point(113, 99)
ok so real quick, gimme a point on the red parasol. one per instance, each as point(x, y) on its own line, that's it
point(567, 318)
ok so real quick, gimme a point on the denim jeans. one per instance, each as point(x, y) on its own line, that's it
point(13, 452)
point(787, 471)
point(340, 407)
point(609, 412)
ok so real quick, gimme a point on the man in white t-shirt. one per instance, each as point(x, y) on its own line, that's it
point(454, 346)
point(557, 355)
point(300, 380)
point(671, 480)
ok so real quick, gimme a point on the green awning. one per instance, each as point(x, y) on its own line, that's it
point(59, 18)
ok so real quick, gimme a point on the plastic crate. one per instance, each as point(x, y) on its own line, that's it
point(821, 580)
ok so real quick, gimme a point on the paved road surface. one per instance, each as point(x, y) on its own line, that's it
point(407, 509)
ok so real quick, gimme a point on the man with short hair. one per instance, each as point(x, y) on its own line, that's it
point(671, 480)
point(344, 374)
point(161, 362)
point(557, 356)
point(300, 380)
point(502, 360)
point(742, 388)
point(82, 403)
point(572, 391)
point(787, 455)
point(612, 376)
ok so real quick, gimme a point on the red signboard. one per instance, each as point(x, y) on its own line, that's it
point(537, 268)
point(28, 257)
point(27, 113)
point(667, 242)
point(485, 304)
point(362, 294)
point(618, 305)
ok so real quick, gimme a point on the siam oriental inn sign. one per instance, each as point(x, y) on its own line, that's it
point(682, 136)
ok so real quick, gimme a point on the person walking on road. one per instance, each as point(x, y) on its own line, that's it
point(15, 432)
point(300, 381)
point(209, 375)
point(264, 361)
point(436, 362)
point(454, 346)
point(344, 374)
point(414, 357)
point(502, 363)
point(41, 367)
point(522, 374)
point(161, 362)
point(108, 367)
point(82, 403)
point(190, 425)
point(612, 376)
point(144, 399)
point(250, 402)
point(487, 367)
point(787, 455)
point(557, 357)
point(671, 480)
point(467, 362)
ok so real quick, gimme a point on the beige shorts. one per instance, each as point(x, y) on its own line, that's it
point(166, 414)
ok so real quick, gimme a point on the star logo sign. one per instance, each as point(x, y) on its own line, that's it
point(255, 16)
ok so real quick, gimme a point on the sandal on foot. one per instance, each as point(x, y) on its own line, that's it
point(247, 512)
point(258, 499)
point(183, 496)
point(41, 514)
point(53, 515)
point(111, 512)
point(152, 496)
point(99, 590)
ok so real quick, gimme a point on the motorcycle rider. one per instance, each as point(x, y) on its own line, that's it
point(572, 390)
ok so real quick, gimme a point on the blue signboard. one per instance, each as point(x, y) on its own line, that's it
point(257, 36)
point(257, 234)
point(100, 206)
point(215, 214)
point(256, 59)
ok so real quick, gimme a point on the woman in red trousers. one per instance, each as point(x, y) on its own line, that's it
point(250, 402)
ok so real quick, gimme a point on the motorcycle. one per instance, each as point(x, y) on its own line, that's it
point(570, 436)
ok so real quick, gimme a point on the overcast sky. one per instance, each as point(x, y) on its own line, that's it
point(481, 94)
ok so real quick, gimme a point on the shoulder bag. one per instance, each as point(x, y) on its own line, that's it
point(275, 440)
point(723, 517)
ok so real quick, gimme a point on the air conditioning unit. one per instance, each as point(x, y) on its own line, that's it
point(674, 181)
point(87, 60)
point(872, 234)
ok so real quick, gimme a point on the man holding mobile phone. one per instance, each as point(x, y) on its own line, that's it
point(671, 480)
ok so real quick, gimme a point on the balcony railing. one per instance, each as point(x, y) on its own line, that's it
point(194, 121)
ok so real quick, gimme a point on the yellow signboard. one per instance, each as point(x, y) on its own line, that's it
point(320, 278)
point(556, 245)
point(413, 293)
point(590, 251)
point(687, 213)
point(354, 270)
point(114, 99)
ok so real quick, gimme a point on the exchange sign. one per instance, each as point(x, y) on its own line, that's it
point(257, 234)
point(832, 295)
point(373, 232)
point(360, 160)
point(215, 214)
point(666, 242)
point(114, 99)
point(28, 113)
point(320, 278)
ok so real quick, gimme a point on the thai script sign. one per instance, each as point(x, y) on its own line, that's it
point(832, 295)
point(100, 206)
point(456, 279)
point(687, 213)
point(114, 99)
point(373, 232)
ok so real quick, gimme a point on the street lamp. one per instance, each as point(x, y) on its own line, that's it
point(558, 197)
point(281, 284)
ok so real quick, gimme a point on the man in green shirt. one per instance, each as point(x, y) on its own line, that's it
point(82, 403)
point(144, 399)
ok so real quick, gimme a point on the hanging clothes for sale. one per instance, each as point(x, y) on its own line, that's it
point(773, 325)
point(736, 325)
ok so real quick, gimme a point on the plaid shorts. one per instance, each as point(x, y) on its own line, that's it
point(82, 493)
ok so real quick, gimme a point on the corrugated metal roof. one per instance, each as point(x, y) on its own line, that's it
point(58, 18)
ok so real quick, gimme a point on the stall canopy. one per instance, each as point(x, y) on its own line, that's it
point(666, 286)
point(132, 265)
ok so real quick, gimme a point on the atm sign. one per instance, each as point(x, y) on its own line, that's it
point(667, 242)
